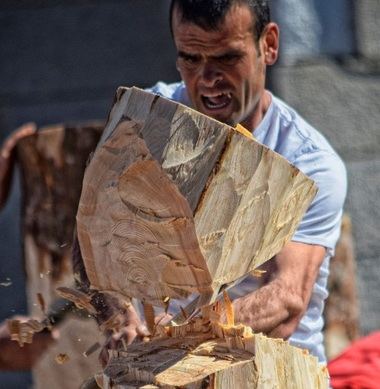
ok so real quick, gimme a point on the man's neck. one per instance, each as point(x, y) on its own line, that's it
point(254, 120)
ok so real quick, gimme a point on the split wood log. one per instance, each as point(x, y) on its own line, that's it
point(52, 164)
point(204, 353)
point(234, 358)
point(174, 202)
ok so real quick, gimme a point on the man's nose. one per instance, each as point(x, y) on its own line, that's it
point(210, 74)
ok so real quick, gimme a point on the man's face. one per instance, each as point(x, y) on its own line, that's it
point(223, 70)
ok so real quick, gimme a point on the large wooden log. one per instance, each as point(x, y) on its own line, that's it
point(52, 164)
point(174, 202)
point(229, 358)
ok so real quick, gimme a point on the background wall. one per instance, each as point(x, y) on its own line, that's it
point(61, 61)
point(333, 80)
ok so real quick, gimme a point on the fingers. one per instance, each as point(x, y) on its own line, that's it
point(118, 340)
point(142, 331)
point(163, 318)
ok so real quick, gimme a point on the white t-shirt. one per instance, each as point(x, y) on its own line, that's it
point(285, 132)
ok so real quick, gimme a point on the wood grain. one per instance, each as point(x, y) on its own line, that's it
point(175, 202)
point(196, 362)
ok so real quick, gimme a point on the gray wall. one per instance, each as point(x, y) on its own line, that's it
point(338, 91)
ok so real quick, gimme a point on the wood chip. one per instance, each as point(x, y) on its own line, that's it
point(184, 314)
point(166, 301)
point(230, 316)
point(258, 273)
point(92, 349)
point(149, 317)
point(80, 299)
point(23, 331)
point(244, 131)
point(62, 358)
point(41, 302)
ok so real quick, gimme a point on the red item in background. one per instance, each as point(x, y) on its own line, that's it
point(358, 367)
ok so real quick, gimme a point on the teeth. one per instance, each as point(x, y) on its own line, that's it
point(217, 100)
point(213, 95)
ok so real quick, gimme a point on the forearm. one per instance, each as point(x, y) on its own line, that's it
point(275, 309)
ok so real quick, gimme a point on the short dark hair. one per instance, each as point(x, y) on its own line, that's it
point(208, 14)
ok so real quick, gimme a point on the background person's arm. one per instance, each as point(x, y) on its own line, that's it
point(7, 158)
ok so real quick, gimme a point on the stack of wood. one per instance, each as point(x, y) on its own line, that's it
point(175, 204)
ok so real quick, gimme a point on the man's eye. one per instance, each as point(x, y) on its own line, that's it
point(190, 59)
point(229, 59)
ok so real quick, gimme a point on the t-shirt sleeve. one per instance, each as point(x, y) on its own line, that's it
point(321, 223)
point(175, 91)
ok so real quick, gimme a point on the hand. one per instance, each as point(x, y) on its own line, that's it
point(14, 357)
point(163, 319)
point(131, 330)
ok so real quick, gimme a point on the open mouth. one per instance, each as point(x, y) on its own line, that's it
point(216, 101)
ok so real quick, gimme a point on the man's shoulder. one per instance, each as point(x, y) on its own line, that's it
point(296, 136)
point(175, 91)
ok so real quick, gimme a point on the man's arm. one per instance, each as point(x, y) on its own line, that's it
point(276, 308)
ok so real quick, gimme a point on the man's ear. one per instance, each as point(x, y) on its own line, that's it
point(270, 39)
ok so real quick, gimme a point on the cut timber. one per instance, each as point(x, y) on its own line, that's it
point(203, 353)
point(174, 202)
point(196, 362)
point(52, 164)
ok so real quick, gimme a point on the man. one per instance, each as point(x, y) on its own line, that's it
point(224, 48)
